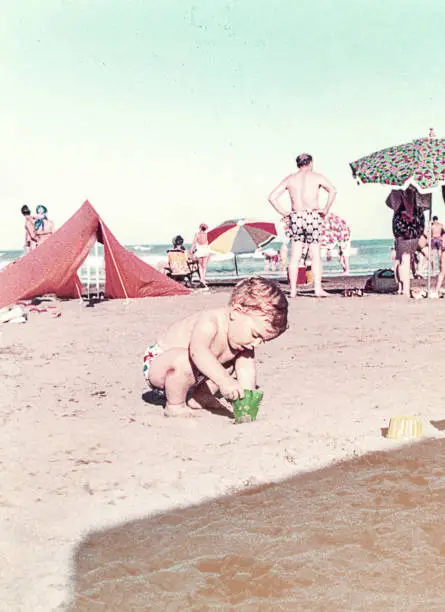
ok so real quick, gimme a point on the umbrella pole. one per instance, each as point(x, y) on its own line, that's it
point(236, 265)
point(430, 254)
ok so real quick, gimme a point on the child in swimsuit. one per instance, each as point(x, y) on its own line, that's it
point(215, 349)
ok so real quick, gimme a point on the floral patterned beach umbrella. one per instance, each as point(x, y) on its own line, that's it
point(241, 236)
point(334, 231)
point(420, 162)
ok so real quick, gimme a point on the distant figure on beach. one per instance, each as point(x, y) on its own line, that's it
point(437, 230)
point(420, 259)
point(408, 225)
point(178, 243)
point(44, 227)
point(283, 257)
point(441, 274)
point(271, 260)
point(201, 251)
point(30, 234)
point(343, 260)
point(305, 218)
point(215, 349)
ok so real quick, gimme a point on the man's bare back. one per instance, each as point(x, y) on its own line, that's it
point(436, 229)
point(304, 189)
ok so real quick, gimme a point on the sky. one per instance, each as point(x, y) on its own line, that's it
point(167, 113)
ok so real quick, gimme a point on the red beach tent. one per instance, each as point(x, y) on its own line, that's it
point(53, 266)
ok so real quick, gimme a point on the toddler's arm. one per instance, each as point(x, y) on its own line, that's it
point(245, 369)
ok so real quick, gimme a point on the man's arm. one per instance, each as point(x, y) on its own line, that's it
point(203, 335)
point(31, 230)
point(332, 193)
point(276, 194)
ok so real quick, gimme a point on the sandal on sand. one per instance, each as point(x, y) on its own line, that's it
point(353, 292)
point(418, 295)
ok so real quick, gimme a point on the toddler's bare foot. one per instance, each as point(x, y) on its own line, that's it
point(179, 410)
point(194, 405)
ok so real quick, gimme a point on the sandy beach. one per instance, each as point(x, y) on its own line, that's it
point(82, 450)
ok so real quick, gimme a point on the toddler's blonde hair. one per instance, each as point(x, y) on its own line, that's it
point(262, 296)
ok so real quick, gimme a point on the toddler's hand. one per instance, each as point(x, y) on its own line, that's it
point(231, 390)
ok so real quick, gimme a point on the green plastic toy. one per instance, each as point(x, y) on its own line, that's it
point(246, 409)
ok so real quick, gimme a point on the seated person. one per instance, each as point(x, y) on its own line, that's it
point(179, 262)
point(178, 243)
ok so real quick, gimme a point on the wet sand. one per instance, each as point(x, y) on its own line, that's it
point(367, 534)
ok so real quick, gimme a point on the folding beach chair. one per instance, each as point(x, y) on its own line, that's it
point(180, 267)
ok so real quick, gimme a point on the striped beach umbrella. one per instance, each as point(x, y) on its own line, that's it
point(239, 236)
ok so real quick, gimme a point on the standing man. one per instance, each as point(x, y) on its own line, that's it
point(437, 230)
point(305, 218)
point(30, 235)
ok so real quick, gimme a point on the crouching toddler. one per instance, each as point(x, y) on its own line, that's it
point(215, 349)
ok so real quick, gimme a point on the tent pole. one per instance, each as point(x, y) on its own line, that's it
point(96, 254)
point(114, 261)
point(88, 263)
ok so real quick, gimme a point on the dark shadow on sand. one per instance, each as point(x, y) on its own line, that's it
point(153, 398)
point(367, 534)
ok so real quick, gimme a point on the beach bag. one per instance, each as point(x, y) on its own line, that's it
point(406, 228)
point(302, 276)
point(382, 281)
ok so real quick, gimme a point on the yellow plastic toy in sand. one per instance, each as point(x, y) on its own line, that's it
point(405, 428)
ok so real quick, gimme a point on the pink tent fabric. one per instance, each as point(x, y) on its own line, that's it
point(52, 267)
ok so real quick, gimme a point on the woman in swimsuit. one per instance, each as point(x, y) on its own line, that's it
point(201, 251)
point(44, 228)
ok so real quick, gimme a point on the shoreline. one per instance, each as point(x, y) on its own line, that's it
point(82, 449)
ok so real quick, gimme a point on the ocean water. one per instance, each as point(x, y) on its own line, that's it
point(362, 535)
point(365, 256)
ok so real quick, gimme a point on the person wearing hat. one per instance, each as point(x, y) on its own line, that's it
point(43, 227)
point(305, 218)
point(30, 234)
